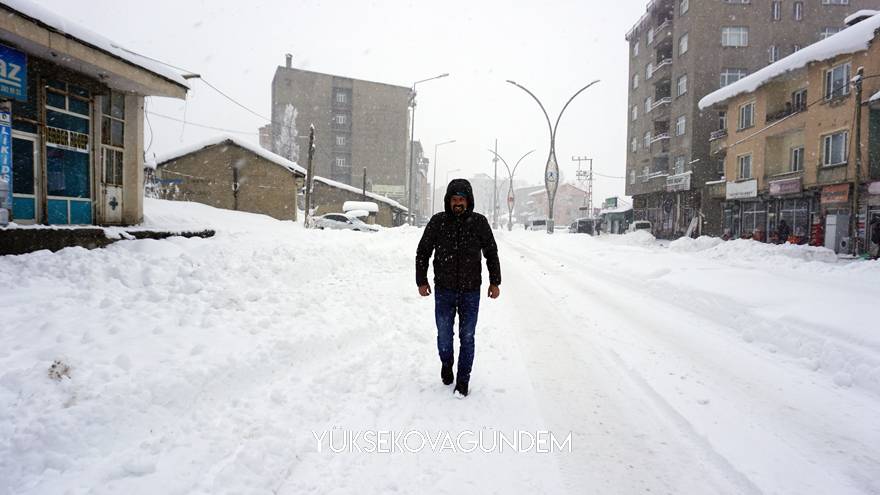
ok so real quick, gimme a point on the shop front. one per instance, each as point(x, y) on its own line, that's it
point(71, 122)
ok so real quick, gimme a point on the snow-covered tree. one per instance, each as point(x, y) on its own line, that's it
point(285, 135)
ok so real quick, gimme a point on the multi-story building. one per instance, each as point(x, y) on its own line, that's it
point(680, 51)
point(792, 144)
point(358, 124)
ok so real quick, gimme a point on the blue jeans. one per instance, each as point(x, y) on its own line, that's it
point(467, 304)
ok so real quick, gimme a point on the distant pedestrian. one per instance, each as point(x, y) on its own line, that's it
point(875, 235)
point(782, 232)
point(456, 237)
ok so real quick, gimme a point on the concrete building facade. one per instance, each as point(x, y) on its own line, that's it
point(358, 124)
point(790, 149)
point(234, 175)
point(680, 51)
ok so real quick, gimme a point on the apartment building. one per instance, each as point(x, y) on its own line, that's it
point(358, 124)
point(682, 50)
point(792, 144)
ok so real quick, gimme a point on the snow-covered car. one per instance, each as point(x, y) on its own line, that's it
point(639, 225)
point(539, 224)
point(339, 221)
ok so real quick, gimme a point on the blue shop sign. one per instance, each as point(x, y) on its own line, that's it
point(13, 74)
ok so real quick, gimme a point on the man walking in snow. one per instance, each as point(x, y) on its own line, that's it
point(456, 236)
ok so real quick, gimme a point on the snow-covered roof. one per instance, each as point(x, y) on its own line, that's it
point(852, 39)
point(226, 139)
point(864, 13)
point(360, 205)
point(390, 202)
point(54, 22)
point(875, 97)
point(616, 209)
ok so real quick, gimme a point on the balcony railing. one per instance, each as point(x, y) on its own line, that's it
point(659, 31)
point(663, 63)
point(720, 133)
point(660, 137)
point(662, 101)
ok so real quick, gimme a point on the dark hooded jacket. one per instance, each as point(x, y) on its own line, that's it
point(456, 241)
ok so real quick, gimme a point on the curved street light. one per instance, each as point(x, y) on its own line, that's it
point(412, 142)
point(551, 170)
point(510, 196)
point(434, 180)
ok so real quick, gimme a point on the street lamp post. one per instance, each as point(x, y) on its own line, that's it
point(510, 196)
point(551, 170)
point(434, 180)
point(412, 141)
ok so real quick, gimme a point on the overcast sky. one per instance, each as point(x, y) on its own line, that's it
point(554, 48)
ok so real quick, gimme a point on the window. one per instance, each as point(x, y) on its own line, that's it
point(648, 103)
point(340, 161)
point(683, 44)
point(340, 97)
point(799, 11)
point(683, 7)
point(649, 69)
point(738, 1)
point(681, 86)
point(773, 51)
point(722, 119)
point(632, 176)
point(680, 125)
point(834, 148)
point(647, 139)
point(634, 114)
point(795, 47)
point(828, 31)
point(744, 166)
point(635, 81)
point(797, 159)
point(776, 10)
point(679, 165)
point(729, 76)
point(735, 36)
point(340, 140)
point(650, 36)
point(340, 119)
point(634, 145)
point(113, 119)
point(799, 100)
point(636, 48)
point(837, 81)
point(835, 2)
point(746, 116)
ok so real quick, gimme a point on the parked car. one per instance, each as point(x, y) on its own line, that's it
point(583, 226)
point(537, 225)
point(639, 225)
point(339, 221)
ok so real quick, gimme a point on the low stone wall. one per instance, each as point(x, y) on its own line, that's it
point(27, 240)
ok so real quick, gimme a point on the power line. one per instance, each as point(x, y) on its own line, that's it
point(200, 125)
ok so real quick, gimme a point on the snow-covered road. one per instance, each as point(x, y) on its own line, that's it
point(209, 365)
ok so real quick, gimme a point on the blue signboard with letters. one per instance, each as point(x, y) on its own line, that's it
point(13, 74)
point(6, 157)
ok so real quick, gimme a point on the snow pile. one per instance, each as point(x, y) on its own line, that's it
point(746, 251)
point(360, 205)
point(852, 39)
point(637, 238)
point(688, 245)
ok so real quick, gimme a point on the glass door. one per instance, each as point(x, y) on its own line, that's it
point(25, 179)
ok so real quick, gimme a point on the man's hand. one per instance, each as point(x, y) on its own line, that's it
point(425, 290)
point(494, 291)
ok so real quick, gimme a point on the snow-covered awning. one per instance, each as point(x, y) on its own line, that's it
point(850, 40)
point(360, 205)
point(231, 140)
point(876, 97)
point(43, 33)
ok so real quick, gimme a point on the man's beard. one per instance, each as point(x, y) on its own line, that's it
point(458, 209)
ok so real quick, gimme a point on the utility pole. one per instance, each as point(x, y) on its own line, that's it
point(310, 176)
point(364, 187)
point(495, 190)
point(857, 82)
point(585, 177)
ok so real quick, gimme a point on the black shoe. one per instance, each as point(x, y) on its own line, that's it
point(446, 374)
point(461, 388)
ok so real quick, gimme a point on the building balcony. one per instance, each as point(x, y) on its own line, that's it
point(719, 134)
point(662, 65)
point(662, 31)
point(661, 102)
point(717, 141)
point(660, 137)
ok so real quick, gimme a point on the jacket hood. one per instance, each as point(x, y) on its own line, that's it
point(459, 186)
